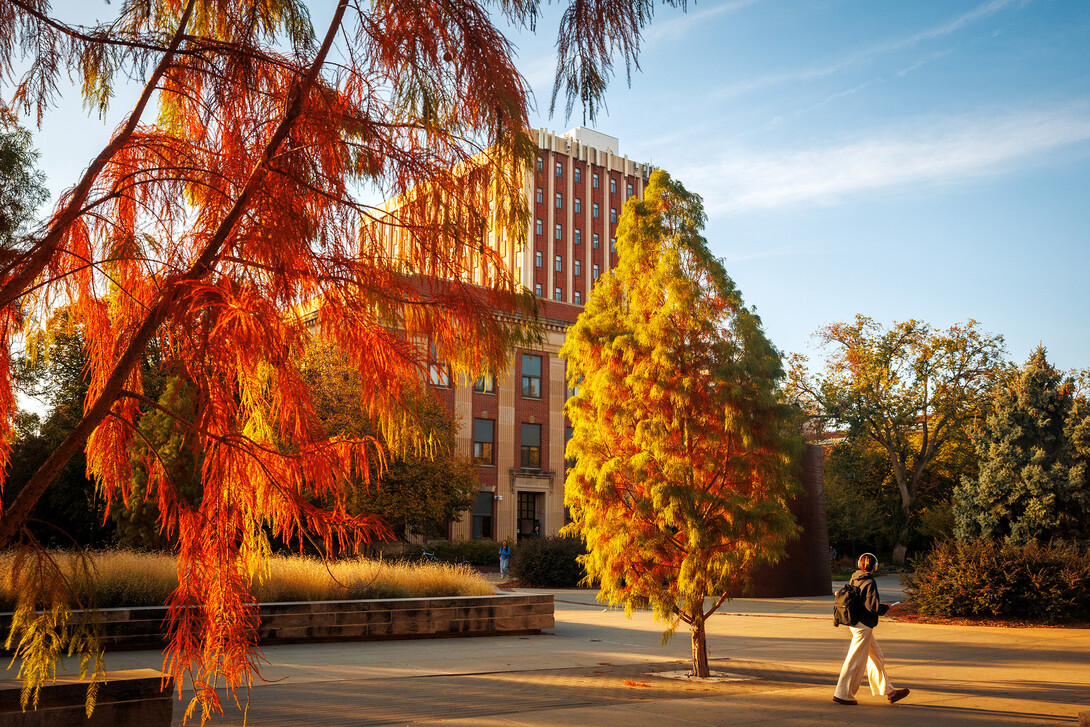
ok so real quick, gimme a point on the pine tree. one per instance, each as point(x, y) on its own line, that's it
point(682, 465)
point(1033, 482)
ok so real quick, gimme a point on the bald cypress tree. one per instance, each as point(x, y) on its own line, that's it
point(682, 462)
point(1033, 482)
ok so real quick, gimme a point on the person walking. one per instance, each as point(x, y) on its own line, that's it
point(505, 558)
point(864, 653)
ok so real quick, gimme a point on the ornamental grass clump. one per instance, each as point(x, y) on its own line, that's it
point(128, 578)
point(985, 578)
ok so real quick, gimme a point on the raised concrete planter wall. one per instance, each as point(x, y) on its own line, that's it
point(134, 697)
point(402, 618)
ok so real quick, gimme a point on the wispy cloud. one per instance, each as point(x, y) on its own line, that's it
point(824, 70)
point(951, 150)
point(680, 27)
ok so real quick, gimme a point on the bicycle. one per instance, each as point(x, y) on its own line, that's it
point(427, 557)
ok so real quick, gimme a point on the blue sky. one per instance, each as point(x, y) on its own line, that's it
point(923, 159)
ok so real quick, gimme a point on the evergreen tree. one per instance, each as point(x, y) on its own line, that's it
point(1033, 482)
point(682, 465)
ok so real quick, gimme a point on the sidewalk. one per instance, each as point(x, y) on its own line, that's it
point(596, 667)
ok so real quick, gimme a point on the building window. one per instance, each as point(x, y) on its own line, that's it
point(539, 259)
point(482, 516)
point(530, 442)
point(578, 236)
point(630, 189)
point(540, 227)
point(613, 215)
point(578, 298)
point(537, 289)
point(613, 244)
point(578, 267)
point(485, 384)
point(559, 264)
point(559, 232)
point(438, 371)
point(531, 376)
point(559, 169)
point(484, 431)
point(540, 195)
point(594, 210)
point(578, 205)
point(595, 240)
point(594, 180)
point(612, 186)
point(578, 176)
point(559, 200)
point(540, 164)
point(558, 294)
point(594, 273)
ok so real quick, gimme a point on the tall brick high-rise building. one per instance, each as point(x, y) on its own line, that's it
point(513, 424)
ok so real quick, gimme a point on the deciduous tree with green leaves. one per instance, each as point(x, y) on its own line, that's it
point(1034, 481)
point(910, 389)
point(683, 453)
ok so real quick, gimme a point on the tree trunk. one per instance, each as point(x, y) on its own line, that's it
point(700, 649)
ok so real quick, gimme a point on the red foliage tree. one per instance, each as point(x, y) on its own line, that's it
point(236, 191)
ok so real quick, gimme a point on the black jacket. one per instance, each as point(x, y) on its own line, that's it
point(868, 589)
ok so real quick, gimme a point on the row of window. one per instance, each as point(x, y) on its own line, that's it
point(558, 294)
point(484, 441)
point(558, 264)
point(595, 209)
point(579, 178)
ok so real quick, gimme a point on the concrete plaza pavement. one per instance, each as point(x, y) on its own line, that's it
point(597, 667)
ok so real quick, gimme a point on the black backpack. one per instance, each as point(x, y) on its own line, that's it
point(847, 605)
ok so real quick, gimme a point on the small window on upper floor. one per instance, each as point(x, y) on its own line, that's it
point(612, 186)
point(540, 164)
point(559, 169)
point(559, 200)
point(531, 376)
point(578, 205)
point(539, 228)
point(594, 180)
point(540, 195)
point(578, 176)
point(485, 384)
point(539, 259)
point(630, 189)
point(559, 264)
point(578, 298)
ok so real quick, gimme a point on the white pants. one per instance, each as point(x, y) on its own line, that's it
point(864, 653)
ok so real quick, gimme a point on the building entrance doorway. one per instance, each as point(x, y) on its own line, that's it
point(529, 525)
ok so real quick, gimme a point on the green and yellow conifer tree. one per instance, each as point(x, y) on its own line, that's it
point(1034, 481)
point(683, 459)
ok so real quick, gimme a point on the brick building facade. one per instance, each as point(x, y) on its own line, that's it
point(515, 425)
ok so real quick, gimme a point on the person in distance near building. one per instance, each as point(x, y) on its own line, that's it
point(864, 654)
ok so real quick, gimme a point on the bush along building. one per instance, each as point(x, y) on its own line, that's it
point(512, 422)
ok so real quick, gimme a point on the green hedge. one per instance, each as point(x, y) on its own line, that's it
point(474, 552)
point(548, 562)
point(1046, 583)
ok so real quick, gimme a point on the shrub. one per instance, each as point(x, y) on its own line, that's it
point(548, 562)
point(472, 552)
point(1044, 583)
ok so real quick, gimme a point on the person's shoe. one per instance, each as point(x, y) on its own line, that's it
point(897, 695)
point(838, 700)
